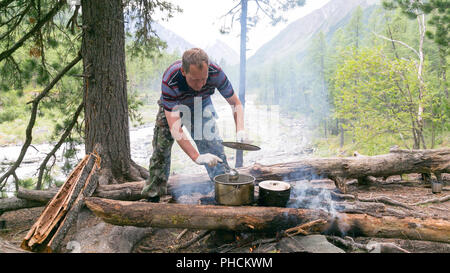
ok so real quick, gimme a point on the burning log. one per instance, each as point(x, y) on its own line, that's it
point(265, 219)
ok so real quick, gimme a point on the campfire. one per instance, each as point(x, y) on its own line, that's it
point(327, 197)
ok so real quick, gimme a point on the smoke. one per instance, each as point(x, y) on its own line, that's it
point(192, 193)
point(304, 194)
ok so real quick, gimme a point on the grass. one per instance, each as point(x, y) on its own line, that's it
point(330, 146)
point(12, 129)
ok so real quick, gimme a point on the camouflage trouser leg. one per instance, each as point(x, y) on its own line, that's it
point(211, 143)
point(159, 168)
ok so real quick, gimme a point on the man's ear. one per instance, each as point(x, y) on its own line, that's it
point(182, 72)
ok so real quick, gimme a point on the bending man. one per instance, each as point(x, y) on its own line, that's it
point(185, 100)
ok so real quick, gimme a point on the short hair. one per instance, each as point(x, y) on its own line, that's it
point(195, 56)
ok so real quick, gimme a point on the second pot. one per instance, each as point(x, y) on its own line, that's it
point(274, 193)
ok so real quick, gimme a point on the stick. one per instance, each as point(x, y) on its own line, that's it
point(434, 200)
point(192, 241)
point(181, 234)
point(305, 229)
point(385, 200)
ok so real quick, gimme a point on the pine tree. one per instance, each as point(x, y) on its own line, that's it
point(41, 46)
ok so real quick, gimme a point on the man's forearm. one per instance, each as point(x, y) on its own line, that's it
point(238, 115)
point(188, 148)
point(174, 122)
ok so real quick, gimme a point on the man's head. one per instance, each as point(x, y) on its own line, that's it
point(194, 68)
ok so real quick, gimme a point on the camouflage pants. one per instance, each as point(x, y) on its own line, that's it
point(159, 168)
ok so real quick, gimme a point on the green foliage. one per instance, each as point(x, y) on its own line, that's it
point(372, 96)
point(27, 183)
point(439, 11)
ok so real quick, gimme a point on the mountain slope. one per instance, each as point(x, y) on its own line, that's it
point(218, 51)
point(295, 38)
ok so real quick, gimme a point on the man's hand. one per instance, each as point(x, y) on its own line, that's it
point(209, 159)
point(241, 136)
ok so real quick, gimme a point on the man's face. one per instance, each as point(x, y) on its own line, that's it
point(196, 78)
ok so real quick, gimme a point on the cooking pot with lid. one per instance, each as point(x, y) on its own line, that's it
point(274, 193)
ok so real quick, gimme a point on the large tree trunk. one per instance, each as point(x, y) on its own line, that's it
point(265, 219)
point(105, 89)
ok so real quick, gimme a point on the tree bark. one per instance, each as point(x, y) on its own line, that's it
point(105, 89)
point(265, 219)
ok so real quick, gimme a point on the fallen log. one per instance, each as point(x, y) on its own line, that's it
point(255, 219)
point(91, 183)
point(26, 199)
point(338, 169)
point(14, 203)
point(42, 196)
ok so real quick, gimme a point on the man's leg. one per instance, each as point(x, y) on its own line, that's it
point(159, 168)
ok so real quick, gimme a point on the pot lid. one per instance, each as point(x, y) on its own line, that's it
point(241, 146)
point(242, 180)
point(273, 185)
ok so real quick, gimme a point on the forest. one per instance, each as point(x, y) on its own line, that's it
point(363, 83)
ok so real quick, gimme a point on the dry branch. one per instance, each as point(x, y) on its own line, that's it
point(433, 200)
point(63, 137)
point(307, 228)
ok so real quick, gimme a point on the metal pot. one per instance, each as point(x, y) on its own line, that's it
point(234, 192)
point(274, 193)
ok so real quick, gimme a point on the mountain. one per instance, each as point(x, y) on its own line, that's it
point(219, 51)
point(222, 53)
point(175, 43)
point(295, 38)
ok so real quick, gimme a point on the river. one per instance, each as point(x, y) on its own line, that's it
point(282, 139)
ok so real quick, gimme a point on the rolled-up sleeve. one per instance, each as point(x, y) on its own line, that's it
point(168, 97)
point(220, 80)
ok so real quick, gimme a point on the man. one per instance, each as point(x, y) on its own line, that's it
point(185, 100)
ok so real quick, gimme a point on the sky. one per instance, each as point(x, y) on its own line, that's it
point(200, 22)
